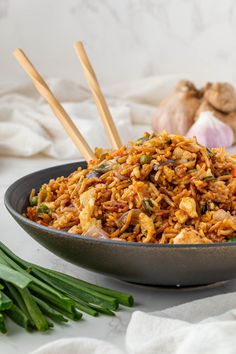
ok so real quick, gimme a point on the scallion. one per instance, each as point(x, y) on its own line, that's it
point(30, 295)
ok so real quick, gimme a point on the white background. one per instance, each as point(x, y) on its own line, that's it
point(126, 39)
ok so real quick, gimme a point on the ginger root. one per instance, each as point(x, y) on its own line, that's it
point(221, 96)
point(178, 112)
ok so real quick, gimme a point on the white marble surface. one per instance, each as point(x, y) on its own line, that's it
point(126, 39)
point(111, 329)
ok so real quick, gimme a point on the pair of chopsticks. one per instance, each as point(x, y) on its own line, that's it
point(59, 111)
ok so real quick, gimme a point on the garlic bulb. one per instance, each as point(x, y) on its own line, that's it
point(211, 132)
point(176, 113)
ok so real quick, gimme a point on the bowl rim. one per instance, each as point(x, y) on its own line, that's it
point(60, 233)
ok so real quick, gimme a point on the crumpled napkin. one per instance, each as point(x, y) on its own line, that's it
point(28, 126)
point(78, 346)
point(202, 326)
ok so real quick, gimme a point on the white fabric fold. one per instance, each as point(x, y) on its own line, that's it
point(202, 326)
point(165, 335)
point(28, 126)
point(78, 346)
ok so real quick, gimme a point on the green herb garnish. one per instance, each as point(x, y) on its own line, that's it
point(139, 141)
point(209, 151)
point(167, 163)
point(142, 140)
point(103, 168)
point(208, 178)
point(148, 206)
point(203, 207)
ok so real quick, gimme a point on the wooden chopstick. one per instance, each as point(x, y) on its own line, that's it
point(56, 107)
point(101, 104)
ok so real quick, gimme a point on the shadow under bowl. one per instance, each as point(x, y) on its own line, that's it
point(152, 264)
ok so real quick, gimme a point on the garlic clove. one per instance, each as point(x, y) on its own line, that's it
point(211, 132)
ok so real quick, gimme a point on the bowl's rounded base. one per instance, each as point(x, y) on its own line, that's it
point(182, 287)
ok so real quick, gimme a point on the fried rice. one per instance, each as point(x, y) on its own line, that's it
point(163, 188)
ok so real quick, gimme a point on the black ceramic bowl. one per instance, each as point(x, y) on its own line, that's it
point(151, 264)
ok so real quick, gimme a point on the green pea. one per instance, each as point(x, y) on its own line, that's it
point(34, 200)
point(43, 209)
point(233, 239)
point(145, 159)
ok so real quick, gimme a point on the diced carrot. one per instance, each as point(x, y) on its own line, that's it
point(31, 213)
point(118, 153)
point(233, 172)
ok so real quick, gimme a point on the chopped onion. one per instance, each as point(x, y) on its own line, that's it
point(96, 232)
point(221, 215)
point(93, 174)
point(134, 219)
point(121, 177)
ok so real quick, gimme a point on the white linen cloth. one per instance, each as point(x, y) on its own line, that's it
point(203, 326)
point(28, 126)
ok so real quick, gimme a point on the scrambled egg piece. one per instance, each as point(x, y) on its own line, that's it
point(168, 173)
point(87, 199)
point(180, 154)
point(181, 216)
point(188, 236)
point(188, 205)
point(147, 226)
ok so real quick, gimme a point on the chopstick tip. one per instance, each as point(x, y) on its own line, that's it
point(78, 44)
point(15, 51)
point(18, 52)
